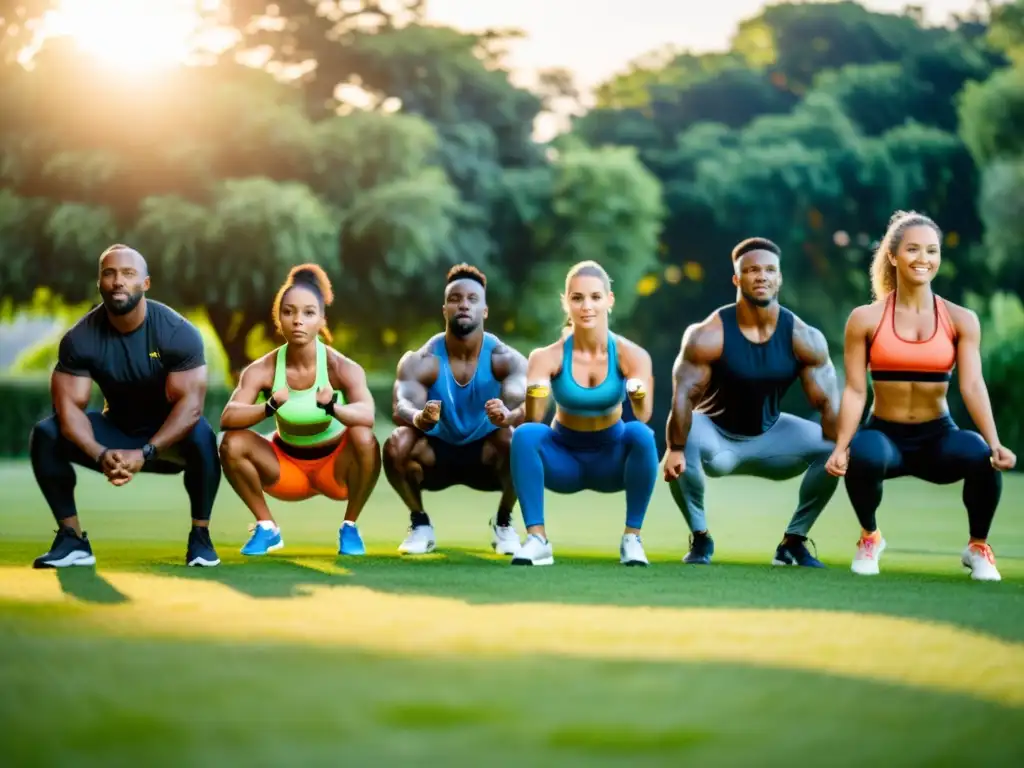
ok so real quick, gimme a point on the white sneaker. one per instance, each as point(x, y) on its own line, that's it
point(869, 552)
point(504, 539)
point(631, 550)
point(420, 541)
point(981, 562)
point(535, 551)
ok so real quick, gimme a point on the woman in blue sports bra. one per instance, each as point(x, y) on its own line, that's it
point(590, 372)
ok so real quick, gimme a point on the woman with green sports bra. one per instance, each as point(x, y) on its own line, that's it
point(590, 371)
point(324, 443)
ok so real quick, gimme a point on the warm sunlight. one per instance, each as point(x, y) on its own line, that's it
point(130, 35)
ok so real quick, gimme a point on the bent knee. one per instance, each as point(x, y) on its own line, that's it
point(868, 451)
point(399, 445)
point(638, 434)
point(501, 440)
point(47, 429)
point(363, 440)
point(527, 437)
point(234, 445)
point(971, 448)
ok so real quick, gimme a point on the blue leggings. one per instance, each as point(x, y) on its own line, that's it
point(622, 457)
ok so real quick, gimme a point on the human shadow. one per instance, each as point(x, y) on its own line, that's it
point(270, 577)
point(479, 577)
point(87, 585)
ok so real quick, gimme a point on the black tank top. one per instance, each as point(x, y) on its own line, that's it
point(749, 380)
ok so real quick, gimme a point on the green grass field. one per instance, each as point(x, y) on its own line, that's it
point(305, 658)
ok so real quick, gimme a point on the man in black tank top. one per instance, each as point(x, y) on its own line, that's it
point(149, 363)
point(728, 380)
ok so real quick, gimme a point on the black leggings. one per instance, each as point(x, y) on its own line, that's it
point(53, 454)
point(935, 451)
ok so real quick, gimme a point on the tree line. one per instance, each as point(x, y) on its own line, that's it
point(817, 123)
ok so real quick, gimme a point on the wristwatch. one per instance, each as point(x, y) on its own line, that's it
point(148, 452)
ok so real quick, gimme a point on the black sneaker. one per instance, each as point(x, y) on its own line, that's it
point(795, 552)
point(702, 547)
point(200, 549)
point(68, 548)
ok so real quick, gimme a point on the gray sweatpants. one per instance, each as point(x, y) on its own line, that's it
point(793, 446)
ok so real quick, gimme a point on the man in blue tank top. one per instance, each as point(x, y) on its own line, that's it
point(728, 380)
point(456, 401)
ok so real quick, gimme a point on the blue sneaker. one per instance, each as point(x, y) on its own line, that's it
point(262, 541)
point(796, 553)
point(349, 541)
point(702, 547)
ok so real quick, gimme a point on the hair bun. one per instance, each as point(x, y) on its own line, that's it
point(314, 276)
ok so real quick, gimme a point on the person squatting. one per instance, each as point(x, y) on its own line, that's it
point(470, 410)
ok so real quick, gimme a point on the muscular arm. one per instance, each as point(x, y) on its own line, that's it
point(358, 410)
point(242, 411)
point(818, 375)
point(540, 367)
point(636, 364)
point(70, 398)
point(410, 392)
point(187, 391)
point(855, 393)
point(691, 374)
point(972, 383)
point(510, 368)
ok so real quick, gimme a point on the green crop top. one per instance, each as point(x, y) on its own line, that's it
point(300, 421)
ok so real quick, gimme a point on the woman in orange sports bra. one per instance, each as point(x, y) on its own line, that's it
point(910, 339)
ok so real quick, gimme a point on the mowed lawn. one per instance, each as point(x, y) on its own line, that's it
point(306, 658)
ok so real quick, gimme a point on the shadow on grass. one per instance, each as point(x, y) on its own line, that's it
point(480, 578)
point(89, 586)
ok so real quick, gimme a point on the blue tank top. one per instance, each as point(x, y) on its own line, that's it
point(749, 380)
point(463, 419)
point(578, 400)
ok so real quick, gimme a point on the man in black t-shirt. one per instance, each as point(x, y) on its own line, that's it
point(148, 362)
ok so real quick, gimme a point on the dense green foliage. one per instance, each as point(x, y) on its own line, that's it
point(821, 120)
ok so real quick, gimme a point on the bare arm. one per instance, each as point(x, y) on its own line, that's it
point(691, 374)
point(358, 410)
point(855, 393)
point(510, 368)
point(972, 382)
point(540, 367)
point(636, 364)
point(818, 375)
point(242, 411)
point(187, 391)
point(410, 392)
point(70, 398)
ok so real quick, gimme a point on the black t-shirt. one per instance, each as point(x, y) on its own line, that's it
point(131, 368)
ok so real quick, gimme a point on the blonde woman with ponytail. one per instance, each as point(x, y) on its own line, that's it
point(324, 444)
point(589, 372)
point(910, 339)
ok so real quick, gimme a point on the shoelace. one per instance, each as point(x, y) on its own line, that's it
point(867, 546)
point(985, 551)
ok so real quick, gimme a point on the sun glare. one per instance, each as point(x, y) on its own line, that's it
point(129, 35)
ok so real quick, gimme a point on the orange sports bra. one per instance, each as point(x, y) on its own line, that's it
point(891, 358)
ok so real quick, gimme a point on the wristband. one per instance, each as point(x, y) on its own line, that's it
point(148, 452)
point(104, 452)
point(270, 407)
point(328, 407)
point(537, 390)
point(676, 447)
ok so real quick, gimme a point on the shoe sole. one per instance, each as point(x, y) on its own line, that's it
point(526, 561)
point(75, 558)
point(430, 548)
point(203, 563)
point(640, 563)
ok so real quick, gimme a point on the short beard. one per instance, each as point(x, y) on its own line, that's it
point(462, 331)
point(762, 303)
point(123, 307)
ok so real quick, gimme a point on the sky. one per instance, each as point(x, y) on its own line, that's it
point(595, 38)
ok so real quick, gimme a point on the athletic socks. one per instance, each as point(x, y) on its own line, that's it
point(504, 518)
point(416, 519)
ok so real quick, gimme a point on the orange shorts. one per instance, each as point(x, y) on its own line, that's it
point(304, 478)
